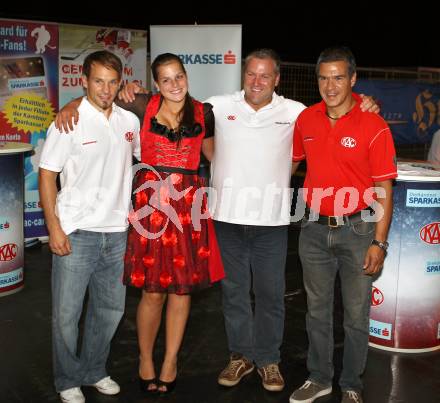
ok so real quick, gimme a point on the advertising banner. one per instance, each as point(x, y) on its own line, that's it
point(11, 222)
point(412, 110)
point(405, 311)
point(77, 41)
point(211, 55)
point(28, 100)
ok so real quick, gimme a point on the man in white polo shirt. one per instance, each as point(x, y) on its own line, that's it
point(87, 223)
point(251, 177)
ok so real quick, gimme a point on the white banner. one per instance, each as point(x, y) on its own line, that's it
point(77, 41)
point(211, 55)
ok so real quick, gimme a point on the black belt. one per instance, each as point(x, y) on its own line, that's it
point(334, 221)
point(177, 170)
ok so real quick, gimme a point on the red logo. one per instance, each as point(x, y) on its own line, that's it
point(8, 252)
point(229, 58)
point(386, 332)
point(430, 233)
point(376, 296)
point(231, 117)
point(129, 136)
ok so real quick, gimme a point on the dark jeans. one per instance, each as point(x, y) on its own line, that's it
point(324, 252)
point(253, 257)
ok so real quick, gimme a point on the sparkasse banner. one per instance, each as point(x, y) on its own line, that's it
point(211, 55)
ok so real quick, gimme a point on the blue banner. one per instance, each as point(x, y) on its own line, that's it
point(412, 110)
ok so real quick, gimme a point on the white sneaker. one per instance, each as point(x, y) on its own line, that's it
point(72, 395)
point(107, 386)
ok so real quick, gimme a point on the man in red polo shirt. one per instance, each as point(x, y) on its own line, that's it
point(350, 166)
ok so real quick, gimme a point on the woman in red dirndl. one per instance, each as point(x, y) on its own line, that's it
point(171, 247)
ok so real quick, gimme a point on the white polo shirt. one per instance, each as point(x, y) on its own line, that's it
point(252, 162)
point(95, 162)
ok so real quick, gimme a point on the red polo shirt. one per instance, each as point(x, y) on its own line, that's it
point(343, 161)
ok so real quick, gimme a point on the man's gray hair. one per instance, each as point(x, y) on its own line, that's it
point(337, 54)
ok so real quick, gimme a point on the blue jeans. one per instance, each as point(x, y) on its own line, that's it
point(324, 252)
point(96, 263)
point(253, 257)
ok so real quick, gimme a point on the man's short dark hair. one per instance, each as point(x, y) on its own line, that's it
point(264, 54)
point(104, 58)
point(337, 54)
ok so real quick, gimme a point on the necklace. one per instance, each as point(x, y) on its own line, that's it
point(331, 117)
point(346, 113)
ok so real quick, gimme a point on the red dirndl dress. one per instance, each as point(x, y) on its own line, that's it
point(171, 244)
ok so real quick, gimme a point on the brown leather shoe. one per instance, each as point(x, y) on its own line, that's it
point(271, 377)
point(236, 369)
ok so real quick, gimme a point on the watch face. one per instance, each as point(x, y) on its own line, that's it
point(382, 245)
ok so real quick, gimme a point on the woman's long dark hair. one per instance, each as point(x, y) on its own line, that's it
point(186, 114)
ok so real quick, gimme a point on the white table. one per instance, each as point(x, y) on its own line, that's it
point(405, 311)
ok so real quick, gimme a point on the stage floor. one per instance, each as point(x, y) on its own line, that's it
point(26, 365)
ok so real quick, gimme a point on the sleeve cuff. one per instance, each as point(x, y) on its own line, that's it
point(50, 167)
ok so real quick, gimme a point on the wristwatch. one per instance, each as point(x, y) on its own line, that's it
point(382, 245)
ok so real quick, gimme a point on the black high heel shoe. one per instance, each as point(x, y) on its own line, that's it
point(144, 385)
point(168, 385)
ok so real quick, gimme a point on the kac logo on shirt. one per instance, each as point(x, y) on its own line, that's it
point(348, 142)
point(129, 136)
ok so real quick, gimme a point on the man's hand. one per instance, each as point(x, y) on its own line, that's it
point(129, 91)
point(368, 104)
point(374, 259)
point(68, 116)
point(59, 242)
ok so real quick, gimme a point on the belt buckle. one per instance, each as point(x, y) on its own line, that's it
point(332, 221)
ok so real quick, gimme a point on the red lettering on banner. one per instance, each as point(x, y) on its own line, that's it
point(72, 81)
point(8, 252)
point(128, 71)
point(71, 69)
point(430, 233)
point(376, 296)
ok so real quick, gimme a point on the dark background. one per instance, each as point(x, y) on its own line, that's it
point(405, 34)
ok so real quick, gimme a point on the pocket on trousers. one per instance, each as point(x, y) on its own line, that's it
point(305, 223)
point(363, 228)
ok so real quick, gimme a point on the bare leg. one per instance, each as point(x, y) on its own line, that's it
point(148, 318)
point(177, 316)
